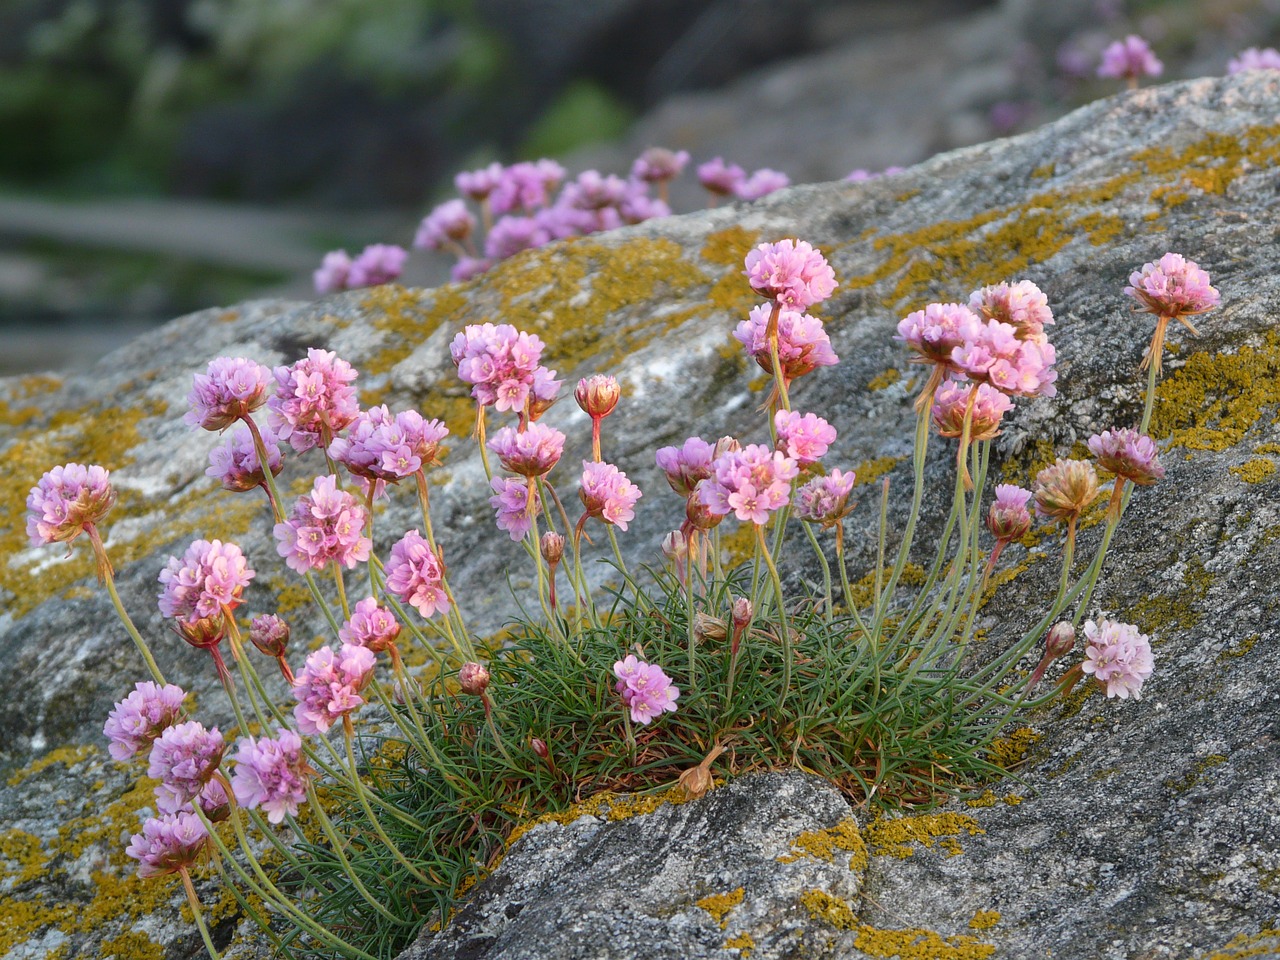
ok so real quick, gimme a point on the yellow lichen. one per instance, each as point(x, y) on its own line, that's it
point(823, 906)
point(1238, 650)
point(1179, 610)
point(1256, 470)
point(67, 756)
point(1010, 751)
point(1193, 776)
point(871, 470)
point(984, 919)
point(25, 850)
point(1264, 943)
point(823, 844)
point(719, 905)
point(131, 945)
point(917, 944)
point(743, 943)
point(894, 836)
point(883, 379)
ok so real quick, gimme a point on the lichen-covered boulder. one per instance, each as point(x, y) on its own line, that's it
point(1137, 829)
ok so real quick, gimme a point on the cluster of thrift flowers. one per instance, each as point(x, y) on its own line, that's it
point(1129, 59)
point(515, 510)
point(370, 626)
point(385, 449)
point(415, 575)
point(229, 390)
point(325, 525)
point(314, 400)
point(328, 686)
point(824, 500)
point(791, 273)
point(66, 500)
point(211, 576)
point(751, 483)
point(1172, 287)
point(1118, 657)
point(376, 263)
point(235, 463)
point(184, 758)
point(804, 437)
point(143, 715)
point(167, 844)
point(271, 773)
point(1267, 58)
point(645, 688)
point(608, 494)
point(803, 345)
point(502, 365)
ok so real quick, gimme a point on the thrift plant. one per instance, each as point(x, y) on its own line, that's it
point(345, 842)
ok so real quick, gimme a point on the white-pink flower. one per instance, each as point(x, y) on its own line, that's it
point(1118, 657)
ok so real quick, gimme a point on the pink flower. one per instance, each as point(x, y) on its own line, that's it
point(687, 465)
point(269, 634)
point(314, 400)
point(184, 758)
point(762, 183)
point(531, 453)
point(446, 226)
point(721, 179)
point(637, 206)
point(658, 164)
point(370, 626)
point(1022, 305)
point(167, 844)
point(804, 437)
point(1267, 58)
point(989, 407)
point(751, 483)
point(608, 494)
point(235, 464)
point(66, 500)
point(500, 362)
point(384, 449)
point(468, 268)
point(1129, 59)
point(271, 773)
point(993, 354)
point(1118, 657)
point(333, 271)
point(1172, 287)
point(1009, 519)
point(377, 263)
point(415, 575)
point(327, 524)
point(1127, 453)
point(210, 576)
point(329, 686)
point(229, 390)
point(511, 500)
point(936, 331)
point(525, 186)
point(142, 716)
point(803, 345)
point(825, 500)
point(592, 191)
point(511, 235)
point(478, 184)
point(645, 689)
point(791, 273)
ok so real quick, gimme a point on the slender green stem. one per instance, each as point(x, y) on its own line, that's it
point(104, 568)
point(197, 913)
point(917, 496)
point(787, 655)
point(826, 570)
point(342, 591)
point(1153, 373)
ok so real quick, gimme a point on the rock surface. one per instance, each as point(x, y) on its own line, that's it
point(1146, 829)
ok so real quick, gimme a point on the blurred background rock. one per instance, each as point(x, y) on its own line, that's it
point(160, 156)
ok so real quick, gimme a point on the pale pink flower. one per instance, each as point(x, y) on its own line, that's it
point(142, 716)
point(1127, 453)
point(803, 345)
point(167, 844)
point(531, 453)
point(608, 494)
point(1022, 305)
point(825, 500)
point(333, 271)
point(1172, 287)
point(1268, 58)
point(511, 235)
point(271, 773)
point(235, 463)
point(685, 466)
point(791, 273)
point(184, 758)
point(478, 184)
point(1129, 59)
point(993, 354)
point(415, 575)
point(511, 501)
point(719, 178)
point(370, 626)
point(377, 263)
point(936, 331)
point(1009, 519)
point(66, 500)
point(658, 164)
point(230, 389)
point(499, 361)
point(804, 437)
point(325, 525)
point(525, 186)
point(328, 687)
point(762, 183)
point(269, 634)
point(210, 576)
point(952, 399)
point(382, 448)
point(645, 689)
point(447, 226)
point(1118, 657)
point(468, 268)
point(314, 399)
point(751, 483)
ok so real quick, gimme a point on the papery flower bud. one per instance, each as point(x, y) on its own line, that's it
point(473, 678)
point(707, 627)
point(398, 692)
point(674, 546)
point(269, 634)
point(1009, 519)
point(742, 612)
point(539, 747)
point(1065, 489)
point(552, 547)
point(597, 395)
point(699, 515)
point(1061, 639)
point(202, 633)
point(725, 445)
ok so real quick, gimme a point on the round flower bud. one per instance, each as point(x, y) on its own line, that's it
point(202, 633)
point(1065, 489)
point(707, 627)
point(674, 546)
point(726, 445)
point(552, 546)
point(597, 395)
point(539, 747)
point(473, 678)
point(700, 515)
point(1009, 519)
point(742, 611)
point(1061, 639)
point(270, 635)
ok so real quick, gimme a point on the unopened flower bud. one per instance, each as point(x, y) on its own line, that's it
point(1064, 489)
point(742, 611)
point(726, 445)
point(707, 627)
point(1009, 519)
point(203, 633)
point(398, 692)
point(473, 678)
point(1061, 639)
point(674, 546)
point(552, 547)
point(696, 781)
point(269, 634)
point(539, 747)
point(699, 514)
point(597, 395)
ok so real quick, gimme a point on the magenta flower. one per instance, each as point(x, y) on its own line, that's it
point(511, 235)
point(210, 576)
point(511, 500)
point(333, 271)
point(593, 191)
point(804, 437)
point(1022, 305)
point(384, 449)
point(184, 758)
point(269, 634)
point(825, 500)
point(687, 465)
point(803, 345)
point(645, 689)
point(751, 483)
point(370, 626)
point(608, 494)
point(271, 773)
point(500, 362)
point(468, 268)
point(637, 206)
point(1009, 519)
point(952, 399)
point(168, 844)
point(1129, 59)
point(1129, 454)
point(328, 688)
point(142, 716)
point(235, 463)
point(377, 263)
point(936, 331)
point(229, 390)
point(762, 183)
point(415, 575)
point(447, 226)
point(326, 524)
point(1118, 657)
point(478, 184)
point(1172, 287)
point(658, 164)
point(314, 399)
point(791, 273)
point(525, 186)
point(532, 453)
point(721, 179)
point(1020, 368)
point(1267, 58)
point(66, 500)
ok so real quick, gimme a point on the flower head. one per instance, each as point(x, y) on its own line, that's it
point(762, 183)
point(1172, 287)
point(608, 494)
point(751, 483)
point(935, 332)
point(525, 186)
point(993, 354)
point(314, 399)
point(511, 501)
point(645, 689)
point(447, 225)
point(235, 463)
point(167, 844)
point(270, 635)
point(804, 437)
point(803, 344)
point(658, 164)
point(952, 399)
point(383, 449)
point(370, 626)
point(184, 758)
point(531, 453)
point(326, 524)
point(1129, 454)
point(331, 276)
point(377, 263)
point(230, 389)
point(329, 685)
point(791, 273)
point(468, 268)
point(1022, 305)
point(825, 500)
point(721, 179)
point(1009, 519)
point(478, 184)
point(597, 395)
point(142, 716)
point(511, 234)
point(1129, 59)
point(1064, 489)
point(1118, 657)
point(210, 576)
point(499, 362)
point(473, 678)
point(271, 773)
point(66, 500)
point(415, 575)
point(1268, 58)
point(685, 466)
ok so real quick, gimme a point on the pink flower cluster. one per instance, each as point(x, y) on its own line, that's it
point(1267, 58)
point(993, 354)
point(142, 716)
point(1127, 453)
point(1118, 657)
point(448, 226)
point(606, 493)
point(184, 758)
point(825, 500)
point(791, 273)
point(377, 263)
point(329, 685)
point(66, 499)
point(937, 331)
point(415, 575)
point(327, 524)
point(230, 389)
point(271, 773)
point(532, 452)
point(687, 465)
point(1129, 59)
point(803, 345)
point(804, 437)
point(861, 174)
point(722, 179)
point(370, 626)
point(1172, 287)
point(750, 483)
point(1009, 518)
point(645, 689)
point(383, 449)
point(235, 464)
point(167, 844)
point(515, 510)
point(1022, 305)
point(314, 399)
point(658, 165)
point(952, 399)
point(501, 364)
point(210, 576)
